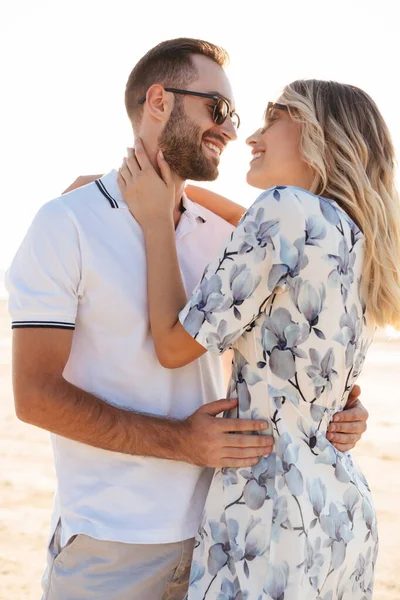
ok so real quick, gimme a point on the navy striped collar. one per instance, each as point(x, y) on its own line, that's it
point(108, 187)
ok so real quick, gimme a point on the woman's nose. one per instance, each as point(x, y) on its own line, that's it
point(252, 139)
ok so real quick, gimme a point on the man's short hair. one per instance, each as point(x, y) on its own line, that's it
point(169, 63)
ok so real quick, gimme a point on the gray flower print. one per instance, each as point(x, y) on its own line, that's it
point(280, 338)
point(317, 493)
point(220, 340)
point(242, 284)
point(301, 524)
point(256, 541)
point(260, 482)
point(313, 561)
point(280, 518)
point(242, 377)
point(350, 500)
point(360, 358)
point(202, 533)
point(279, 396)
point(309, 302)
point(361, 298)
point(337, 527)
point(258, 234)
point(231, 590)
point(370, 520)
point(230, 476)
point(287, 455)
point(223, 552)
point(196, 573)
point(315, 230)
point(355, 233)
point(342, 274)
point(277, 581)
point(362, 572)
point(351, 326)
point(329, 211)
point(207, 300)
point(309, 433)
point(292, 260)
point(330, 456)
point(321, 370)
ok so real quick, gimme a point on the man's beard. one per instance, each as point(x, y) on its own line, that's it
point(181, 143)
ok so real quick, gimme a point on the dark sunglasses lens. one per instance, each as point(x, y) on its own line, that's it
point(221, 111)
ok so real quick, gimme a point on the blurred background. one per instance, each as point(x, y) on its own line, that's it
point(63, 68)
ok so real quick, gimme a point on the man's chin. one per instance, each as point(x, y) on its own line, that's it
point(197, 170)
point(210, 173)
point(205, 176)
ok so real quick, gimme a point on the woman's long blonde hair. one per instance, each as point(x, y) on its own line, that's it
point(348, 146)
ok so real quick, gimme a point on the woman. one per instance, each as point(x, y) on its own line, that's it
point(310, 271)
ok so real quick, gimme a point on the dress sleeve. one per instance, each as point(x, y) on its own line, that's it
point(264, 251)
point(44, 279)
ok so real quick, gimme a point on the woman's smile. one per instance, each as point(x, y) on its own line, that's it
point(257, 154)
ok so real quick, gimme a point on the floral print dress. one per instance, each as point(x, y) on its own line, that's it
point(285, 295)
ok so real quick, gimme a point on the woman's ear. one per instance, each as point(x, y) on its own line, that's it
point(159, 103)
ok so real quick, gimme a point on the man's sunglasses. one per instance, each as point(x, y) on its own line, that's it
point(221, 108)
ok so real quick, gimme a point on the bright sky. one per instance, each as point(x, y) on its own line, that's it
point(65, 64)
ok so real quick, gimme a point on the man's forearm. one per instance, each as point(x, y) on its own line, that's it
point(66, 410)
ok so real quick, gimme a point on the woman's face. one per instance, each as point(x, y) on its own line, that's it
point(276, 154)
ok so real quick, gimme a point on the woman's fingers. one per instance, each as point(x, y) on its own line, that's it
point(121, 183)
point(141, 156)
point(164, 167)
point(125, 172)
point(132, 164)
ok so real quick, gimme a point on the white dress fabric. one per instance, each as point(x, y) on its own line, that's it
point(285, 294)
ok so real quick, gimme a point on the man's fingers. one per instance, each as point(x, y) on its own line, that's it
point(343, 438)
point(218, 406)
point(352, 427)
point(231, 425)
point(248, 441)
point(246, 452)
point(344, 447)
point(241, 425)
point(359, 413)
point(238, 462)
point(355, 392)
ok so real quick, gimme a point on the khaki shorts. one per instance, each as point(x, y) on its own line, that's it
point(90, 569)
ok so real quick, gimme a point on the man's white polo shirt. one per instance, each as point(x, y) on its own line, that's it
point(82, 266)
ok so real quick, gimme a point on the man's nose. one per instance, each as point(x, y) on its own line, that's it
point(229, 130)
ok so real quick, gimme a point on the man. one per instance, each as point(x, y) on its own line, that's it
point(134, 443)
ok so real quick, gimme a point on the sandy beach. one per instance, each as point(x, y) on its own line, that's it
point(27, 475)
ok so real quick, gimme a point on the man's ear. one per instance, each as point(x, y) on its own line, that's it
point(159, 103)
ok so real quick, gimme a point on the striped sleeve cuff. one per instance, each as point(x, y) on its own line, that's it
point(42, 324)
